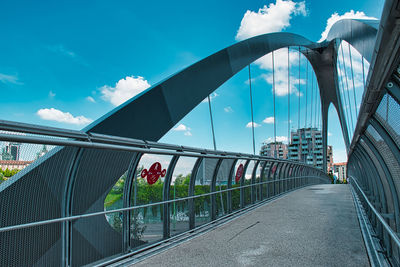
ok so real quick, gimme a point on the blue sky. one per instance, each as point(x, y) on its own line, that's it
point(66, 63)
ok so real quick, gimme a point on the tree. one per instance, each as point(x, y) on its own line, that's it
point(182, 180)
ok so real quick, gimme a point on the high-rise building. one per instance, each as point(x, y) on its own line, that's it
point(11, 151)
point(306, 146)
point(340, 170)
point(274, 150)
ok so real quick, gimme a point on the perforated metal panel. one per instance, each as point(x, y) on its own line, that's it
point(98, 171)
point(34, 194)
point(387, 155)
point(388, 114)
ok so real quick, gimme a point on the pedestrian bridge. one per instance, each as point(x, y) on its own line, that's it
point(112, 194)
point(313, 226)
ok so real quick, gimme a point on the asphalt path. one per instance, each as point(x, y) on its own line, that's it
point(313, 226)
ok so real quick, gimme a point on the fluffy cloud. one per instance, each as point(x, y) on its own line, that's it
point(124, 89)
point(269, 120)
point(212, 96)
point(183, 128)
point(283, 139)
point(272, 18)
point(336, 17)
point(52, 114)
point(281, 70)
point(228, 109)
point(248, 125)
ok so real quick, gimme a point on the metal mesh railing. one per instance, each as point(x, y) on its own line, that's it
point(90, 197)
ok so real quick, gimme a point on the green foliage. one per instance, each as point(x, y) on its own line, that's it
point(115, 193)
point(7, 173)
point(331, 177)
point(182, 180)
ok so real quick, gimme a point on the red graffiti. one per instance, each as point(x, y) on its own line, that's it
point(154, 173)
point(239, 173)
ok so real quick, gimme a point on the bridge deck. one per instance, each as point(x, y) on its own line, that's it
point(314, 226)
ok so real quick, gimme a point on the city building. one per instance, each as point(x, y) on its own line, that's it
point(339, 169)
point(274, 150)
point(306, 146)
point(11, 151)
point(329, 159)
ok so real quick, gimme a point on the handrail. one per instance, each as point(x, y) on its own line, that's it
point(380, 218)
point(127, 144)
point(76, 217)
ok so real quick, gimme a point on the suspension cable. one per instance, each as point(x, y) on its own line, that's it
point(362, 65)
point(305, 121)
point(273, 91)
point(288, 70)
point(252, 118)
point(212, 122)
point(352, 78)
point(298, 122)
point(347, 86)
point(318, 105)
point(342, 89)
point(319, 114)
point(316, 101)
point(312, 98)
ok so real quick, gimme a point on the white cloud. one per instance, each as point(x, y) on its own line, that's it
point(278, 139)
point(248, 125)
point(228, 109)
point(280, 59)
point(269, 120)
point(90, 99)
point(356, 62)
point(124, 89)
point(51, 94)
point(272, 18)
point(212, 96)
point(336, 17)
point(281, 70)
point(183, 128)
point(329, 134)
point(6, 78)
point(52, 114)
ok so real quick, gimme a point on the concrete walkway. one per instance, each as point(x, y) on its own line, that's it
point(314, 226)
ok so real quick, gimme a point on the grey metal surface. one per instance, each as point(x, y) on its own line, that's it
point(314, 226)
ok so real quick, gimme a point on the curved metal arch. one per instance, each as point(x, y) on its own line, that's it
point(176, 98)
